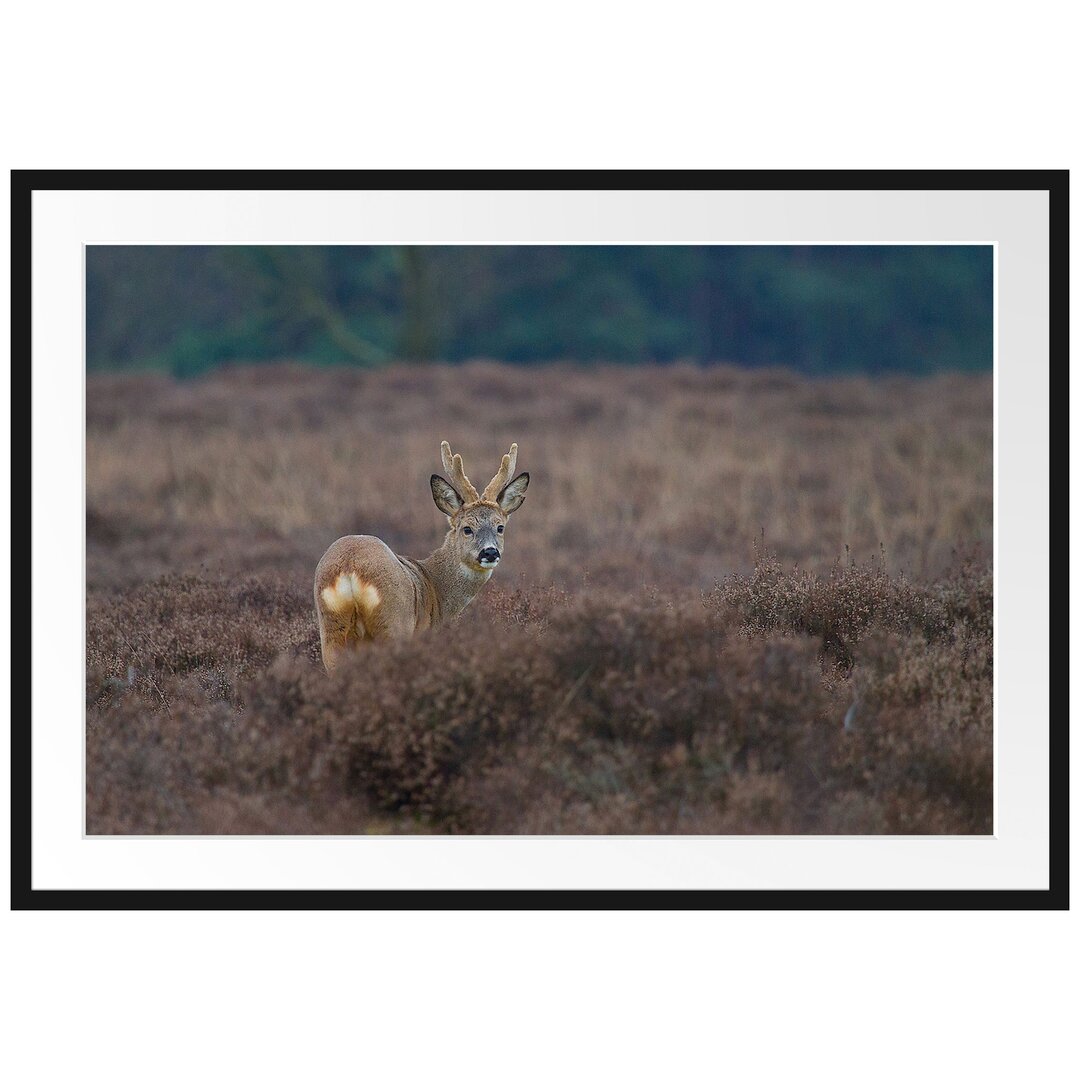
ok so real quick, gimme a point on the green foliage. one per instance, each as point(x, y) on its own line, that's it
point(817, 309)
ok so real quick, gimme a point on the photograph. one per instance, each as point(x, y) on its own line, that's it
point(538, 542)
point(549, 539)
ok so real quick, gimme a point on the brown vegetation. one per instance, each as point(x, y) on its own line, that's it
point(633, 666)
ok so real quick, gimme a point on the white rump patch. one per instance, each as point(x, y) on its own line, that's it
point(350, 592)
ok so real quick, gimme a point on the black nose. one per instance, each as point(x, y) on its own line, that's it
point(489, 554)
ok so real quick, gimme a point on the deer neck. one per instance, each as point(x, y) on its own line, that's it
point(453, 584)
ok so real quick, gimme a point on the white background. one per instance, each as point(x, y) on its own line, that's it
point(682, 85)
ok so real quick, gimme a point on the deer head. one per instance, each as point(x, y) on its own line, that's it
point(477, 521)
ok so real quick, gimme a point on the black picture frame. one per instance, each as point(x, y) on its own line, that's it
point(24, 897)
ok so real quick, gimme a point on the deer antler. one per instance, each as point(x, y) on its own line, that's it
point(455, 473)
point(498, 481)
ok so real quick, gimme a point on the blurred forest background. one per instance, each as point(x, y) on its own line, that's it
point(817, 310)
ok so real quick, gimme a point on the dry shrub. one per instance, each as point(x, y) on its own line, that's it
point(536, 712)
point(589, 688)
point(924, 731)
point(837, 609)
point(223, 631)
point(189, 764)
point(405, 728)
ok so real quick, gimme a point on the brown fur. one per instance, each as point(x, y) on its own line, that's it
point(364, 592)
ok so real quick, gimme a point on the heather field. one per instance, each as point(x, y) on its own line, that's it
point(733, 602)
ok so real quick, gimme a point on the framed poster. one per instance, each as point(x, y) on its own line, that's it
point(747, 614)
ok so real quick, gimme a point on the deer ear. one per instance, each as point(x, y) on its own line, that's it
point(513, 495)
point(445, 495)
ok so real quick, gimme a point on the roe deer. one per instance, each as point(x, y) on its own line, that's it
point(363, 591)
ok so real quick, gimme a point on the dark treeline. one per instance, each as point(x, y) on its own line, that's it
point(817, 309)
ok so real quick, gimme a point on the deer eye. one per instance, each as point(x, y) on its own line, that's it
point(500, 528)
point(467, 531)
